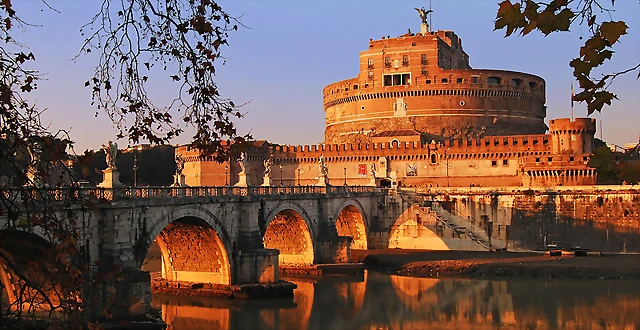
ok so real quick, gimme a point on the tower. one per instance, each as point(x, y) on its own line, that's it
point(572, 137)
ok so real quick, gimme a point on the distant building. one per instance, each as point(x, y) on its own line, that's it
point(421, 116)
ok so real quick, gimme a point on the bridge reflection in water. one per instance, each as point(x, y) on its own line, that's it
point(378, 301)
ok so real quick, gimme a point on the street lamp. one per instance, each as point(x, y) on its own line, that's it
point(298, 176)
point(345, 176)
point(281, 184)
point(226, 175)
point(135, 169)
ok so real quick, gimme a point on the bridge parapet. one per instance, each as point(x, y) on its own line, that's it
point(66, 193)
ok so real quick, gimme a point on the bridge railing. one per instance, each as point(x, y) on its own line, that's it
point(65, 193)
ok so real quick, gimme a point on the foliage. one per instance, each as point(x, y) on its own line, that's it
point(602, 160)
point(182, 38)
point(615, 167)
point(559, 15)
point(43, 260)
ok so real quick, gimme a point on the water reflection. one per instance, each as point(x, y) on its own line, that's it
point(378, 301)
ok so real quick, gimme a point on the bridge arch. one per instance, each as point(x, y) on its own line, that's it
point(194, 247)
point(29, 272)
point(289, 230)
point(414, 229)
point(350, 220)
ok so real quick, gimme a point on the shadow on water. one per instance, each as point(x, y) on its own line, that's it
point(380, 301)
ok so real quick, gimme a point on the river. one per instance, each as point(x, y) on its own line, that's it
point(380, 301)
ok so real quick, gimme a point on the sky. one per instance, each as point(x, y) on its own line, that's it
point(291, 49)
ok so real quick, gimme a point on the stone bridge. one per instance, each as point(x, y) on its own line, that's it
point(225, 237)
point(239, 238)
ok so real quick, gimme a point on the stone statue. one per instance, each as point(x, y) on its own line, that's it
point(267, 166)
point(242, 161)
point(412, 169)
point(322, 167)
point(373, 169)
point(423, 14)
point(179, 164)
point(34, 154)
point(110, 151)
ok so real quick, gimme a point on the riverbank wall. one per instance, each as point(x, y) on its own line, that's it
point(602, 218)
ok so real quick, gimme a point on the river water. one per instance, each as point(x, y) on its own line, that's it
point(380, 301)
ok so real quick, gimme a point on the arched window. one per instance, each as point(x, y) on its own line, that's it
point(494, 81)
point(433, 158)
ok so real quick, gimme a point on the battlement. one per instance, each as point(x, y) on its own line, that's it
point(577, 126)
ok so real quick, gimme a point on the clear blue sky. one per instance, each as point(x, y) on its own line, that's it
point(293, 48)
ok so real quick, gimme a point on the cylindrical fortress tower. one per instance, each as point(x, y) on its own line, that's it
point(423, 82)
point(572, 136)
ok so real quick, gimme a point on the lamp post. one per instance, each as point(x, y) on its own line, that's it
point(226, 175)
point(298, 176)
point(281, 184)
point(345, 176)
point(135, 169)
point(447, 158)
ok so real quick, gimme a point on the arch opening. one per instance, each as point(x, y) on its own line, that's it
point(34, 277)
point(189, 250)
point(414, 229)
point(350, 222)
point(289, 233)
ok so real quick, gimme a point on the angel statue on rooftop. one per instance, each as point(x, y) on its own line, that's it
point(424, 17)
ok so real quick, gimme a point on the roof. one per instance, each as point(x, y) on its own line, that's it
point(404, 132)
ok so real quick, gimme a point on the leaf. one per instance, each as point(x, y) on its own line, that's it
point(564, 19)
point(599, 100)
point(509, 16)
point(611, 31)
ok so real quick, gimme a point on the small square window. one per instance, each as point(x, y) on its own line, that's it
point(475, 79)
point(571, 159)
point(494, 163)
point(537, 159)
point(549, 159)
point(428, 81)
point(459, 81)
point(505, 162)
point(445, 80)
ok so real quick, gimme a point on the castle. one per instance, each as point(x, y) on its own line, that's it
point(417, 114)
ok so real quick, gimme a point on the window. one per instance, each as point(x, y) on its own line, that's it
point(537, 160)
point(405, 60)
point(494, 163)
point(423, 59)
point(428, 81)
point(387, 61)
point(549, 159)
point(433, 158)
point(515, 82)
point(355, 87)
point(396, 79)
point(370, 63)
point(525, 142)
point(475, 79)
point(424, 71)
point(445, 80)
point(370, 74)
point(459, 80)
point(494, 80)
point(505, 162)
point(533, 84)
point(515, 142)
point(571, 159)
